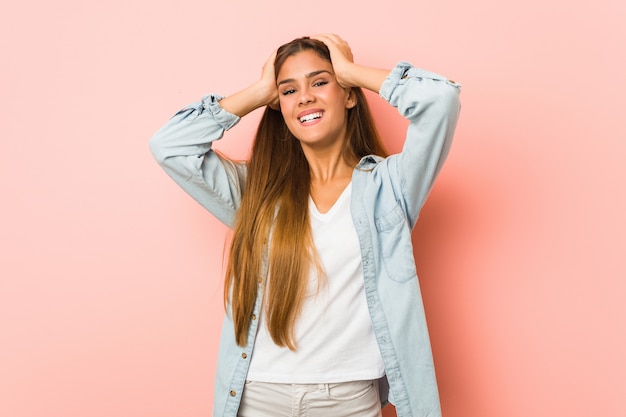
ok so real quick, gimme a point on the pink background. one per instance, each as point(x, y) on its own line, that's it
point(110, 290)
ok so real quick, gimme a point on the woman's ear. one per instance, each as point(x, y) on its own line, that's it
point(350, 99)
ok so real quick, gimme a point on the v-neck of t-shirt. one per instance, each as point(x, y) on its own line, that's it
point(343, 197)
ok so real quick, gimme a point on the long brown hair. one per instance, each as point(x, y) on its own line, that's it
point(272, 232)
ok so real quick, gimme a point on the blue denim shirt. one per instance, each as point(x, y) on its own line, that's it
point(387, 196)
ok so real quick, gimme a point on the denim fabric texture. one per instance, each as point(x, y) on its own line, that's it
point(387, 196)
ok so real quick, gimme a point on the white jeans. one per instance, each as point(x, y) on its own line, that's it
point(356, 398)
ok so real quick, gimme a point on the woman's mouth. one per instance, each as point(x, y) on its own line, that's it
point(310, 117)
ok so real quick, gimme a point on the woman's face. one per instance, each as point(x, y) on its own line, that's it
point(313, 104)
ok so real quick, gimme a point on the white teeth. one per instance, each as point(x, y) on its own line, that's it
point(310, 116)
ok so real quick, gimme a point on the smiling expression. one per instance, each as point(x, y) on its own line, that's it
point(312, 103)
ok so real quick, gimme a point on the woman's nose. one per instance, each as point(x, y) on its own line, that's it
point(305, 97)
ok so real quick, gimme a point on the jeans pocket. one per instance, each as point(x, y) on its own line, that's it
point(353, 390)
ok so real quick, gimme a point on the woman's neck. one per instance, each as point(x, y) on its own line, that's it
point(330, 175)
point(328, 170)
point(327, 164)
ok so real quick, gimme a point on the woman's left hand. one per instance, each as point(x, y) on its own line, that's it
point(341, 57)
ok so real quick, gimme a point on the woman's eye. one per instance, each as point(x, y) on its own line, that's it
point(320, 83)
point(287, 92)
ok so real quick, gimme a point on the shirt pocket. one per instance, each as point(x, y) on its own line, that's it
point(394, 237)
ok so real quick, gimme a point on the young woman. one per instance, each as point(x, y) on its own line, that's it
point(324, 313)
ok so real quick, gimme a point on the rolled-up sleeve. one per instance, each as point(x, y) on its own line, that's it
point(183, 148)
point(431, 104)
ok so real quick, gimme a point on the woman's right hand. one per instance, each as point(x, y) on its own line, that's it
point(264, 92)
point(268, 80)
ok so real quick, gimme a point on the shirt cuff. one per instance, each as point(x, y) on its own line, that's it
point(400, 73)
point(224, 118)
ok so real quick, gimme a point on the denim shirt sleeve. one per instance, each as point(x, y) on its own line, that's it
point(183, 148)
point(431, 104)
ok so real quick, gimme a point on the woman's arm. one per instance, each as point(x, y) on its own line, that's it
point(431, 104)
point(183, 145)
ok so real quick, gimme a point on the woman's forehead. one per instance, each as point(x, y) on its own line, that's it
point(303, 64)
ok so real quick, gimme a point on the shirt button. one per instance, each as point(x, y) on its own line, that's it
point(244, 355)
point(233, 393)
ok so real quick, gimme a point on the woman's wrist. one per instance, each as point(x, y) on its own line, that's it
point(249, 99)
point(365, 77)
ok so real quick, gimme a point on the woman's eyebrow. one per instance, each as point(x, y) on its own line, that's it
point(309, 75)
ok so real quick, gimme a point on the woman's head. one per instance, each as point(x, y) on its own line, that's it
point(313, 104)
point(317, 110)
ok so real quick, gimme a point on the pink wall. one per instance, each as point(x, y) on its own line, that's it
point(110, 277)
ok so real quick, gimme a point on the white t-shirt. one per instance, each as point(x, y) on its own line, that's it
point(334, 334)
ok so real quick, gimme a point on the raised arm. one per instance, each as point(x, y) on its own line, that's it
point(431, 104)
point(183, 145)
